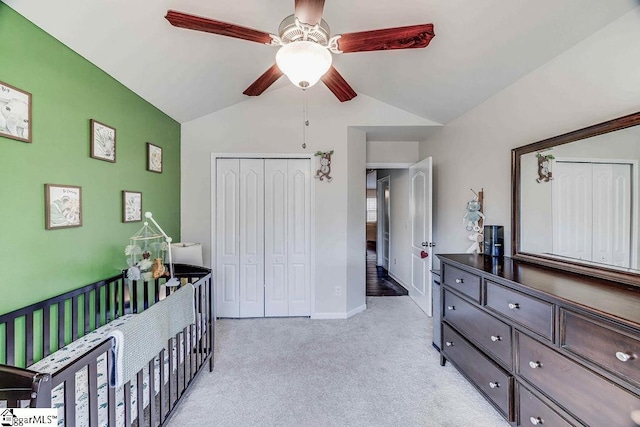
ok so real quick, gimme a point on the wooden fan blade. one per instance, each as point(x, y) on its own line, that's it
point(309, 11)
point(198, 23)
point(411, 37)
point(338, 85)
point(264, 81)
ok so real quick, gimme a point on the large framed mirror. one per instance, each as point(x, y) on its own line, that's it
point(576, 201)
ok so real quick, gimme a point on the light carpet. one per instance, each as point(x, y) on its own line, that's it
point(377, 368)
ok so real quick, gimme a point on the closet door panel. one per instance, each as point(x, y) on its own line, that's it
point(572, 213)
point(621, 216)
point(602, 212)
point(299, 237)
point(275, 234)
point(227, 242)
point(251, 238)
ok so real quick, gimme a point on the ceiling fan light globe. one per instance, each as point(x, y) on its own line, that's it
point(303, 62)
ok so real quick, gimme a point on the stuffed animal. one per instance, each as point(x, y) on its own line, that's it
point(476, 238)
point(544, 168)
point(325, 166)
point(473, 215)
point(158, 269)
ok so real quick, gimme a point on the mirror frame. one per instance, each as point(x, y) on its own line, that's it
point(628, 277)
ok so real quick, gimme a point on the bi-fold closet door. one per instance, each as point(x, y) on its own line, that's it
point(263, 241)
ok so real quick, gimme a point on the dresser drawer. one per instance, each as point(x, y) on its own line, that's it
point(587, 396)
point(491, 380)
point(530, 312)
point(602, 343)
point(487, 331)
point(534, 412)
point(462, 281)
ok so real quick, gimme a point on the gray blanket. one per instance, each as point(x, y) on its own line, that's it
point(141, 339)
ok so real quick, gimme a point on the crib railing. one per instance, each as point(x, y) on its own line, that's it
point(34, 332)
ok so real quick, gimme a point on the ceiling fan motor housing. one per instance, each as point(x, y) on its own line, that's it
point(290, 31)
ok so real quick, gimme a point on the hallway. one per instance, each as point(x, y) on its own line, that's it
point(379, 284)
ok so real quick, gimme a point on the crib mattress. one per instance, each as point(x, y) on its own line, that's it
point(66, 355)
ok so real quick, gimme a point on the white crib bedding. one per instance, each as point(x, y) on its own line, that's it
point(63, 357)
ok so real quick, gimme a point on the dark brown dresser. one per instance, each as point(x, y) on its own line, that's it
point(545, 347)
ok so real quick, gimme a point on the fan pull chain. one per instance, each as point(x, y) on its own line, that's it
point(305, 118)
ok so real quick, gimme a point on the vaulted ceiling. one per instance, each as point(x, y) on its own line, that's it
point(480, 47)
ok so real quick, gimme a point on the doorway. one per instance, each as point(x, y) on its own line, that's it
point(378, 281)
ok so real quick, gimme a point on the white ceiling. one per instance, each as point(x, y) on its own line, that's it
point(480, 47)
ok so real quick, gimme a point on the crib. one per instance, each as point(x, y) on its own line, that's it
point(55, 329)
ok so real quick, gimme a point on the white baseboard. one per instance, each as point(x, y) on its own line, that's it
point(328, 316)
point(400, 282)
point(357, 310)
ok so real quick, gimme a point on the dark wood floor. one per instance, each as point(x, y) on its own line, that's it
point(379, 284)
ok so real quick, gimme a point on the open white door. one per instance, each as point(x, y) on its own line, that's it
point(421, 232)
point(383, 238)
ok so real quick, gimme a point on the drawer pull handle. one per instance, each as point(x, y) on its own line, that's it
point(624, 357)
point(451, 307)
point(449, 343)
point(514, 306)
point(535, 365)
point(536, 421)
point(458, 281)
point(495, 338)
point(494, 385)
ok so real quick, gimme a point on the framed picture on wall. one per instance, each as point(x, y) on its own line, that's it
point(131, 206)
point(15, 113)
point(63, 206)
point(154, 158)
point(103, 142)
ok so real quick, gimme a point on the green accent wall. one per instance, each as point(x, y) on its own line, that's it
point(67, 91)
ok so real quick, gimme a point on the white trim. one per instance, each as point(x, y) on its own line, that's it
point(356, 310)
point(328, 316)
point(371, 165)
point(381, 205)
point(312, 207)
point(336, 316)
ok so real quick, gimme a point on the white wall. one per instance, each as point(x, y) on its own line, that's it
point(596, 80)
point(400, 231)
point(407, 152)
point(357, 216)
point(272, 123)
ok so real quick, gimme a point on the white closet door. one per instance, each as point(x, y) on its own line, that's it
point(227, 237)
point(572, 210)
point(299, 236)
point(251, 238)
point(275, 238)
point(621, 246)
point(602, 212)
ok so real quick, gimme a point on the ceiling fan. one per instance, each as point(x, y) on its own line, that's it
point(306, 45)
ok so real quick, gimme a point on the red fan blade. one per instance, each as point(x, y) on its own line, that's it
point(412, 37)
point(264, 81)
point(338, 85)
point(309, 11)
point(198, 23)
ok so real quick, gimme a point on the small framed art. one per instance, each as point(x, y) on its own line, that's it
point(103, 142)
point(154, 158)
point(15, 113)
point(131, 206)
point(63, 206)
